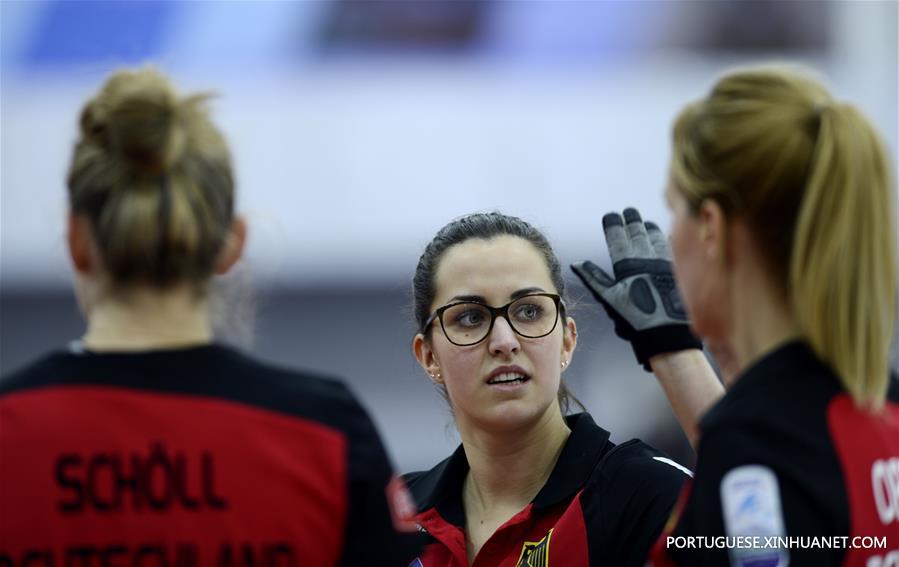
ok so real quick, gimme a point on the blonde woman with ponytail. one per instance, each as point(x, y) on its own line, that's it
point(146, 443)
point(784, 244)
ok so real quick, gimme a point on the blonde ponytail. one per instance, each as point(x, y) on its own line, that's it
point(843, 268)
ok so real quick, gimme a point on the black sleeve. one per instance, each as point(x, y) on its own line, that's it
point(741, 450)
point(372, 537)
point(626, 514)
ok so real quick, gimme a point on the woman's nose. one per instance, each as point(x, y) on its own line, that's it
point(503, 339)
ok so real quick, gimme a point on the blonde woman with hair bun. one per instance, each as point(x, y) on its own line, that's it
point(784, 245)
point(146, 442)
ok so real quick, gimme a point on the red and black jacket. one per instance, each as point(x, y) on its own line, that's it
point(602, 505)
point(809, 465)
point(200, 456)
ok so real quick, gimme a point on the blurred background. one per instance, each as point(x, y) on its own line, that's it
point(359, 128)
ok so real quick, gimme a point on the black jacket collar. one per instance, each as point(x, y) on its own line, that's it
point(770, 377)
point(441, 487)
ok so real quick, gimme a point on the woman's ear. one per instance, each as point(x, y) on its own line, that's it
point(569, 342)
point(424, 354)
point(79, 239)
point(233, 248)
point(713, 230)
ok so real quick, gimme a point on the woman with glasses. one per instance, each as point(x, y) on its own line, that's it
point(529, 485)
point(146, 443)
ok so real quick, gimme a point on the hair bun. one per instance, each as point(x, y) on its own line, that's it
point(137, 116)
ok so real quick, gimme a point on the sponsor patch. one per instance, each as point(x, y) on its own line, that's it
point(750, 501)
point(402, 506)
point(535, 553)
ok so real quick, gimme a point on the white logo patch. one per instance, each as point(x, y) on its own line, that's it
point(750, 501)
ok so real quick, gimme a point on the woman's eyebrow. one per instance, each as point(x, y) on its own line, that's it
point(526, 291)
point(515, 295)
point(474, 298)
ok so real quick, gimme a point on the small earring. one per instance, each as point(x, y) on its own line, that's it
point(564, 363)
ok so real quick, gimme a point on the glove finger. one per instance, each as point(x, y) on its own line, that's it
point(658, 240)
point(616, 237)
point(594, 277)
point(640, 246)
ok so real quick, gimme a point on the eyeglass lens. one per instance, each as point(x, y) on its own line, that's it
point(530, 316)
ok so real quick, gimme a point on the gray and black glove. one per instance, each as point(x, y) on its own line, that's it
point(642, 299)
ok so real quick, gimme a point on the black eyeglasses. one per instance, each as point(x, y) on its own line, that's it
point(467, 323)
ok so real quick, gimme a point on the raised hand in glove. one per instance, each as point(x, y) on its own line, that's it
point(642, 299)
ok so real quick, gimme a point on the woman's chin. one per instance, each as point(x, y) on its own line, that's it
point(511, 415)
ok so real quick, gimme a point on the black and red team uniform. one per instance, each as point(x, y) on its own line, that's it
point(603, 504)
point(189, 457)
point(786, 454)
